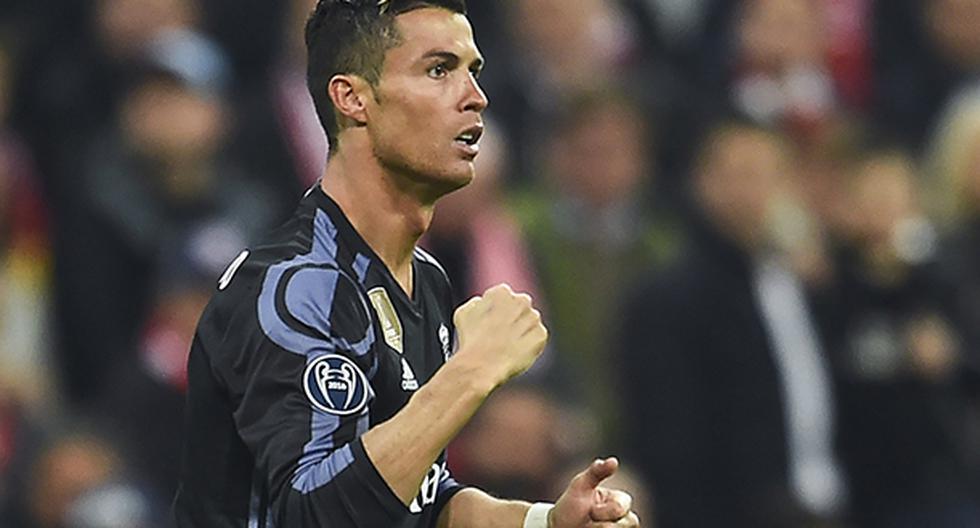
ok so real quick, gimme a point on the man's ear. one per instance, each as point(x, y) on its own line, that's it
point(348, 94)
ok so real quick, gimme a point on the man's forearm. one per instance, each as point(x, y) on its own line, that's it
point(472, 508)
point(404, 448)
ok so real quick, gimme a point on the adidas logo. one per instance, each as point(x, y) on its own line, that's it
point(409, 382)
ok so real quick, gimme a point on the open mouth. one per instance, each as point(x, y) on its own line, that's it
point(470, 138)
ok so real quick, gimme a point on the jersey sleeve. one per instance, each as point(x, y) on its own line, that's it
point(306, 399)
point(447, 489)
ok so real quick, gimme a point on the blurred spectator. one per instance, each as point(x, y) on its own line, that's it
point(158, 188)
point(76, 70)
point(279, 133)
point(795, 64)
point(251, 34)
point(681, 22)
point(572, 42)
point(18, 440)
point(955, 179)
point(899, 359)
point(114, 505)
point(557, 48)
point(591, 232)
point(729, 399)
point(65, 470)
point(25, 272)
point(825, 163)
point(297, 117)
point(955, 182)
point(518, 444)
point(849, 53)
point(68, 482)
point(73, 84)
point(144, 399)
point(124, 27)
point(782, 71)
point(925, 53)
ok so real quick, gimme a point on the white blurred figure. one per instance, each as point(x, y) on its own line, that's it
point(781, 74)
point(25, 269)
point(115, 505)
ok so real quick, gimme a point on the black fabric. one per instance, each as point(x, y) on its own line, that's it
point(702, 393)
point(259, 448)
point(900, 430)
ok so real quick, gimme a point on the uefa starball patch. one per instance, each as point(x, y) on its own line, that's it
point(336, 385)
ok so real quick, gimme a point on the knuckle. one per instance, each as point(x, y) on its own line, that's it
point(500, 289)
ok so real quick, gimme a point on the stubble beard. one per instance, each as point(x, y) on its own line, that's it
point(428, 182)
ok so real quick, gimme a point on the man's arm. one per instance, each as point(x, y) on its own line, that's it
point(345, 473)
point(321, 462)
point(500, 336)
point(474, 508)
point(584, 503)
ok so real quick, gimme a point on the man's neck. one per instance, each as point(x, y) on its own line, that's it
point(387, 217)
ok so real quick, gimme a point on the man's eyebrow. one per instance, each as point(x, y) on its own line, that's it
point(452, 58)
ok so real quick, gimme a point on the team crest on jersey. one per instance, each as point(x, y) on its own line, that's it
point(391, 325)
point(334, 384)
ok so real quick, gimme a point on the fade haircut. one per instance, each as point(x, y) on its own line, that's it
point(352, 37)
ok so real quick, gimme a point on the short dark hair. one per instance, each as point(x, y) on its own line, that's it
point(352, 36)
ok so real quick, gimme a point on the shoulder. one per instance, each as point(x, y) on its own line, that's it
point(294, 288)
point(302, 303)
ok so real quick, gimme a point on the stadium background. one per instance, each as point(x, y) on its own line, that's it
point(143, 143)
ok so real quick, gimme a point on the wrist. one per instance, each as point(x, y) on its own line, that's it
point(475, 375)
point(539, 515)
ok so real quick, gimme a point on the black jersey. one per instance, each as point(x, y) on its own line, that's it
point(307, 344)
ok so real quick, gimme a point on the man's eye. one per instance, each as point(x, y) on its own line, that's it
point(438, 71)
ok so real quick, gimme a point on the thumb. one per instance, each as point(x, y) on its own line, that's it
point(593, 475)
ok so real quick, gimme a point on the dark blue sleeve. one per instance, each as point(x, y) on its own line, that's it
point(448, 488)
point(307, 401)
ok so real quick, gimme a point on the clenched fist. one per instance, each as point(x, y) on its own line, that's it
point(501, 332)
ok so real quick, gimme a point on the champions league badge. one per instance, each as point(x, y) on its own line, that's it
point(334, 384)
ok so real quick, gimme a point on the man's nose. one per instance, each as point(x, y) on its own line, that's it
point(476, 99)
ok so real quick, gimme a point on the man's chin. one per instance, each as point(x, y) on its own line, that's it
point(455, 180)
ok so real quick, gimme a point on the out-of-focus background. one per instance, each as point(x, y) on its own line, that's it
point(753, 227)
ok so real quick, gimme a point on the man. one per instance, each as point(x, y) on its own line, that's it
point(728, 392)
point(320, 389)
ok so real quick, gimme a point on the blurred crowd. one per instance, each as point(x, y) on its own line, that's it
point(753, 227)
